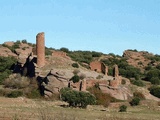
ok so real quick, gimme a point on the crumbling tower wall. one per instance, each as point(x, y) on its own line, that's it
point(40, 49)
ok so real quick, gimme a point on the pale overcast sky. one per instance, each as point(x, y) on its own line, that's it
point(108, 26)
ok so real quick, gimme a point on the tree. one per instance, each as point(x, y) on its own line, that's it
point(155, 90)
point(76, 98)
point(75, 78)
point(123, 108)
point(64, 49)
point(135, 101)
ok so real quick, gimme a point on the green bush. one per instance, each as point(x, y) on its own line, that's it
point(123, 108)
point(138, 83)
point(75, 65)
point(135, 101)
point(76, 98)
point(64, 49)
point(24, 41)
point(125, 69)
point(155, 80)
point(48, 51)
point(153, 76)
point(75, 78)
point(14, 94)
point(155, 90)
point(5, 66)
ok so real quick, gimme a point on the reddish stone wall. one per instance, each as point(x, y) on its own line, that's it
point(98, 67)
point(59, 54)
point(40, 49)
point(95, 66)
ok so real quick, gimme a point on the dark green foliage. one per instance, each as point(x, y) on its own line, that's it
point(153, 76)
point(48, 51)
point(96, 54)
point(155, 80)
point(135, 101)
point(76, 98)
point(83, 56)
point(64, 49)
point(75, 78)
point(155, 90)
point(14, 94)
point(75, 65)
point(24, 41)
point(133, 50)
point(123, 108)
point(154, 58)
point(138, 83)
point(5, 65)
point(125, 69)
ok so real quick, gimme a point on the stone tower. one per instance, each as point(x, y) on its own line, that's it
point(40, 49)
point(115, 71)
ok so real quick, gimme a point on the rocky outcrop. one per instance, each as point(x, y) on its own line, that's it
point(5, 52)
point(52, 83)
point(137, 59)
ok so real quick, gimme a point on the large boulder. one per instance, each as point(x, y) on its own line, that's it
point(6, 52)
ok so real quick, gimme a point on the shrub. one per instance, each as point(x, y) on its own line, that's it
point(135, 101)
point(155, 80)
point(138, 83)
point(76, 98)
point(5, 66)
point(75, 78)
point(16, 81)
point(64, 49)
point(48, 51)
point(75, 65)
point(24, 41)
point(155, 90)
point(123, 108)
point(14, 94)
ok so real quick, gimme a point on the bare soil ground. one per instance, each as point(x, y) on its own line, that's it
point(27, 109)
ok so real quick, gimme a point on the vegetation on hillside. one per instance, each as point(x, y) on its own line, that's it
point(76, 98)
point(5, 67)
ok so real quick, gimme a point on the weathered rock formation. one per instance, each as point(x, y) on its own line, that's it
point(40, 49)
point(5, 52)
point(52, 83)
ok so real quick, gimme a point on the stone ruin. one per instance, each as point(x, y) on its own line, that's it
point(99, 67)
point(40, 49)
point(116, 78)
